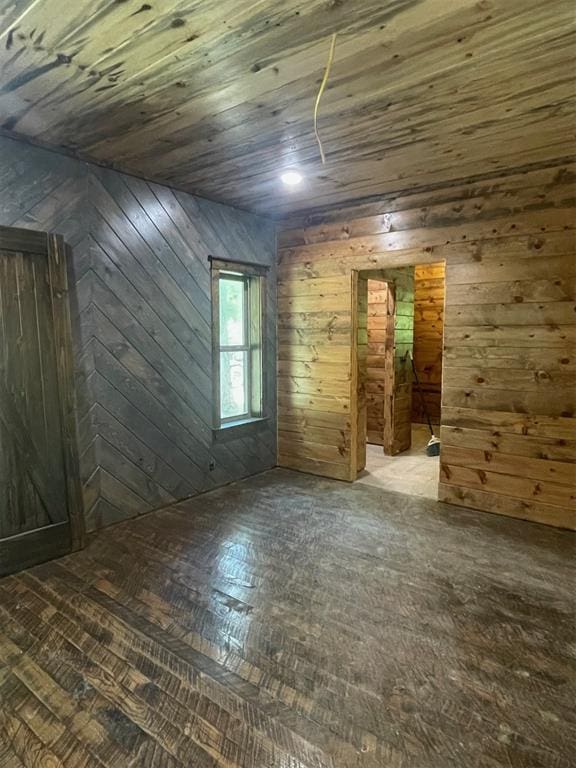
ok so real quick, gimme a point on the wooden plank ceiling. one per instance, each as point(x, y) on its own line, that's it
point(217, 97)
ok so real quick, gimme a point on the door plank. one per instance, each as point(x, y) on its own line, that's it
point(24, 240)
point(40, 500)
point(57, 255)
point(31, 461)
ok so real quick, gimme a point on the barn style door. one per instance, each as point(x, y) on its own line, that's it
point(40, 502)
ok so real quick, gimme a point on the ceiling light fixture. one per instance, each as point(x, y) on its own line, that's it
point(291, 178)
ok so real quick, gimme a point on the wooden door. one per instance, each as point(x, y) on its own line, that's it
point(40, 500)
point(380, 357)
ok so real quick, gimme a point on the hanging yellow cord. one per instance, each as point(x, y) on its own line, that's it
point(320, 92)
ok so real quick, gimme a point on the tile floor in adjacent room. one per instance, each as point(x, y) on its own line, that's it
point(411, 472)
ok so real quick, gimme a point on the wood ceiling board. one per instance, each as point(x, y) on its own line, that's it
point(217, 98)
point(248, 121)
point(279, 91)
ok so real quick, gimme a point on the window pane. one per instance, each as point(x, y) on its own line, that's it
point(232, 323)
point(233, 384)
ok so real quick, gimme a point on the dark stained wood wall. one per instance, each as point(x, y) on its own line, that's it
point(508, 397)
point(141, 315)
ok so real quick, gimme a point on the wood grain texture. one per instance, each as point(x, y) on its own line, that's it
point(361, 286)
point(217, 98)
point(429, 294)
point(251, 627)
point(59, 258)
point(378, 300)
point(41, 513)
point(140, 296)
point(388, 375)
point(509, 330)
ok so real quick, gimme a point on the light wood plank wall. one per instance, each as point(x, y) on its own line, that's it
point(375, 376)
point(509, 401)
point(362, 368)
point(399, 410)
point(428, 339)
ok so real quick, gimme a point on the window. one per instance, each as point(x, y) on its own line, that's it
point(238, 307)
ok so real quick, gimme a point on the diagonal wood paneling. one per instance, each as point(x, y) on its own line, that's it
point(141, 309)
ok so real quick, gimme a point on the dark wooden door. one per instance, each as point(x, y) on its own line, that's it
point(40, 501)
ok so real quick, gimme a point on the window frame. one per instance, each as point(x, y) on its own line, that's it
point(253, 278)
point(244, 348)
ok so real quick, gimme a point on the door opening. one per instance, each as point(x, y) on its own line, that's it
point(399, 319)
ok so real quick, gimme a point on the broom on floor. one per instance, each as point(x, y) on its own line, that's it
point(433, 446)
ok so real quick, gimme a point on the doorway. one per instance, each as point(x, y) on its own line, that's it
point(399, 376)
point(40, 497)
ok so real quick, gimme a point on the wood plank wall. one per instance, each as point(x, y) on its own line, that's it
point(141, 308)
point(509, 401)
point(363, 370)
point(399, 409)
point(428, 339)
point(375, 375)
point(315, 375)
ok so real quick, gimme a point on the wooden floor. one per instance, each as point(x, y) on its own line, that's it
point(294, 622)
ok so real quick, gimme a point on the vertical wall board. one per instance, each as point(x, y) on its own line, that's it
point(429, 293)
point(376, 369)
point(361, 365)
point(141, 319)
point(508, 396)
point(400, 311)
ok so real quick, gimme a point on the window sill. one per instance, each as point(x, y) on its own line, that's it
point(232, 430)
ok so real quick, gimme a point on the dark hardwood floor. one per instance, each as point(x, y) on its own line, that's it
point(295, 622)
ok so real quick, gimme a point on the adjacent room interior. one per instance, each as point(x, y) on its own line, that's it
point(287, 384)
point(399, 350)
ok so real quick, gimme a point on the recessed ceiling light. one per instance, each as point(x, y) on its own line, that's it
point(291, 178)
